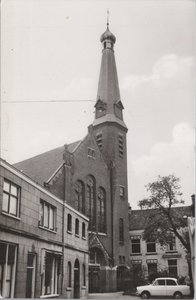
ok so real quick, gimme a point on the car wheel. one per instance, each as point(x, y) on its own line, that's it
point(145, 295)
point(177, 295)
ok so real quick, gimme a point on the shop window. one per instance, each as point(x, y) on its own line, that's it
point(101, 210)
point(47, 216)
point(69, 223)
point(76, 227)
point(7, 269)
point(121, 231)
point(173, 269)
point(135, 244)
point(30, 285)
point(51, 274)
point(11, 198)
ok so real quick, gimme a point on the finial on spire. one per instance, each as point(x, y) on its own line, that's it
point(107, 18)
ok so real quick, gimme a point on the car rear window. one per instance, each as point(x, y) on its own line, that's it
point(161, 282)
point(170, 282)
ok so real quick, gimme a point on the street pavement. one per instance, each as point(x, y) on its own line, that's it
point(116, 295)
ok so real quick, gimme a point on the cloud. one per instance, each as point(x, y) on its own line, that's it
point(166, 70)
point(175, 157)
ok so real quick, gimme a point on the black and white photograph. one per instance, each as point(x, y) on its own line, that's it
point(97, 149)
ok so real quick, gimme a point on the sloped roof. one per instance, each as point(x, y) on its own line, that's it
point(41, 167)
point(138, 218)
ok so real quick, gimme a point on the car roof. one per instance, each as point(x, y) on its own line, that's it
point(166, 278)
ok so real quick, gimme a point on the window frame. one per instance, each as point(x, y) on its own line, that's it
point(46, 209)
point(135, 244)
point(10, 196)
point(121, 231)
point(69, 223)
point(77, 227)
point(101, 210)
point(150, 244)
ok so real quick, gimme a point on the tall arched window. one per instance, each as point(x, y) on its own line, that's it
point(101, 210)
point(69, 274)
point(90, 202)
point(121, 230)
point(79, 196)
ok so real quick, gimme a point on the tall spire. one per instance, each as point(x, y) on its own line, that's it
point(108, 106)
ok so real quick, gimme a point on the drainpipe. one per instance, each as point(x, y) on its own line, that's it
point(63, 232)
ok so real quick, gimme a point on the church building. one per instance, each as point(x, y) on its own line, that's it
point(91, 176)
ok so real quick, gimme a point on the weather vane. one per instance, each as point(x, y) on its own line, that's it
point(108, 18)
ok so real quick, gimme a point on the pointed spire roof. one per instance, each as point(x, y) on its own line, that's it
point(108, 106)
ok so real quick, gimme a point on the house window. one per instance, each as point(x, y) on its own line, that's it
point(84, 275)
point(136, 266)
point(99, 140)
point(47, 215)
point(151, 246)
point(121, 230)
point(152, 266)
point(76, 227)
point(50, 279)
point(30, 285)
point(7, 269)
point(171, 246)
point(91, 153)
point(135, 244)
point(69, 223)
point(69, 273)
point(101, 210)
point(122, 191)
point(173, 269)
point(79, 196)
point(11, 198)
point(83, 230)
point(120, 145)
point(90, 202)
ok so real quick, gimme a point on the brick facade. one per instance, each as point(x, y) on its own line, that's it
point(25, 233)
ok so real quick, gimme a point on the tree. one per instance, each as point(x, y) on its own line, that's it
point(165, 221)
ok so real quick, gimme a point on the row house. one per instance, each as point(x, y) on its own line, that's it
point(149, 256)
point(43, 241)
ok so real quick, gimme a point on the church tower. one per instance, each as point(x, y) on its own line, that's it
point(110, 133)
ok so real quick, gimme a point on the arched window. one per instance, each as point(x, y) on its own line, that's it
point(121, 230)
point(79, 196)
point(101, 210)
point(69, 222)
point(69, 274)
point(83, 230)
point(84, 274)
point(90, 199)
point(77, 227)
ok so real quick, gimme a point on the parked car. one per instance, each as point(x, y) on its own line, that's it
point(167, 287)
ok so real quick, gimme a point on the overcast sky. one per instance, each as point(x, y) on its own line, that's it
point(51, 50)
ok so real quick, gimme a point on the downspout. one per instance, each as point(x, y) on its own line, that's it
point(63, 232)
